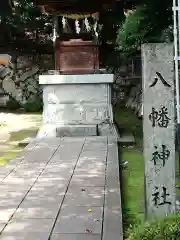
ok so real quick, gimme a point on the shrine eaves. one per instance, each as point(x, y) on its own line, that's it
point(73, 6)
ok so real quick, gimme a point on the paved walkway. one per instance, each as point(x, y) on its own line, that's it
point(66, 189)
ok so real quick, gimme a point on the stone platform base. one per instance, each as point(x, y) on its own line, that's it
point(54, 130)
point(77, 106)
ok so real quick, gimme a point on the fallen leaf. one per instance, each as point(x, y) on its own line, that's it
point(89, 230)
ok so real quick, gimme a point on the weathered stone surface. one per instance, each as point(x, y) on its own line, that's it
point(10, 199)
point(19, 226)
point(24, 236)
point(76, 79)
point(92, 180)
point(76, 236)
point(84, 196)
point(25, 142)
point(159, 129)
point(76, 99)
point(97, 146)
point(85, 93)
point(112, 224)
point(112, 227)
point(6, 213)
point(11, 186)
point(76, 113)
point(2, 225)
point(28, 74)
point(77, 219)
point(91, 167)
point(98, 156)
point(70, 187)
point(38, 210)
point(47, 130)
point(20, 77)
point(76, 131)
point(10, 87)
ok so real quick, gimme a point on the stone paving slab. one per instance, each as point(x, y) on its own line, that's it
point(19, 226)
point(59, 188)
point(73, 219)
point(14, 186)
point(92, 180)
point(6, 212)
point(2, 225)
point(76, 237)
point(11, 198)
point(84, 196)
point(24, 236)
point(37, 212)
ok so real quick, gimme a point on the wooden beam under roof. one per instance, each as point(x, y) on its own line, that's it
point(73, 6)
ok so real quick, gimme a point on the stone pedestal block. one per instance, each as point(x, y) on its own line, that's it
point(76, 105)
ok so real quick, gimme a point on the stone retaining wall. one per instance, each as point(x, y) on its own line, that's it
point(20, 79)
point(127, 89)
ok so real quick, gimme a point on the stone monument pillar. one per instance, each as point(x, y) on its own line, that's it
point(159, 128)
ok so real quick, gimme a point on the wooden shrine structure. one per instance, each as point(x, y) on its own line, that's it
point(75, 33)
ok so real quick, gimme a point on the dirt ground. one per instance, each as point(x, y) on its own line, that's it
point(15, 127)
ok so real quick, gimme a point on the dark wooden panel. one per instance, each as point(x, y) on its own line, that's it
point(77, 56)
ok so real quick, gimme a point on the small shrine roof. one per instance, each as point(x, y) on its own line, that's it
point(73, 6)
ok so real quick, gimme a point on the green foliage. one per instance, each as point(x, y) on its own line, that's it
point(27, 29)
point(149, 22)
point(13, 104)
point(33, 104)
point(133, 30)
point(167, 228)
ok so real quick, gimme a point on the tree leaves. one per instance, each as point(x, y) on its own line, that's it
point(146, 24)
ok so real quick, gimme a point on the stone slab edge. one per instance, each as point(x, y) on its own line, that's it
point(26, 141)
point(76, 130)
point(76, 79)
point(112, 226)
